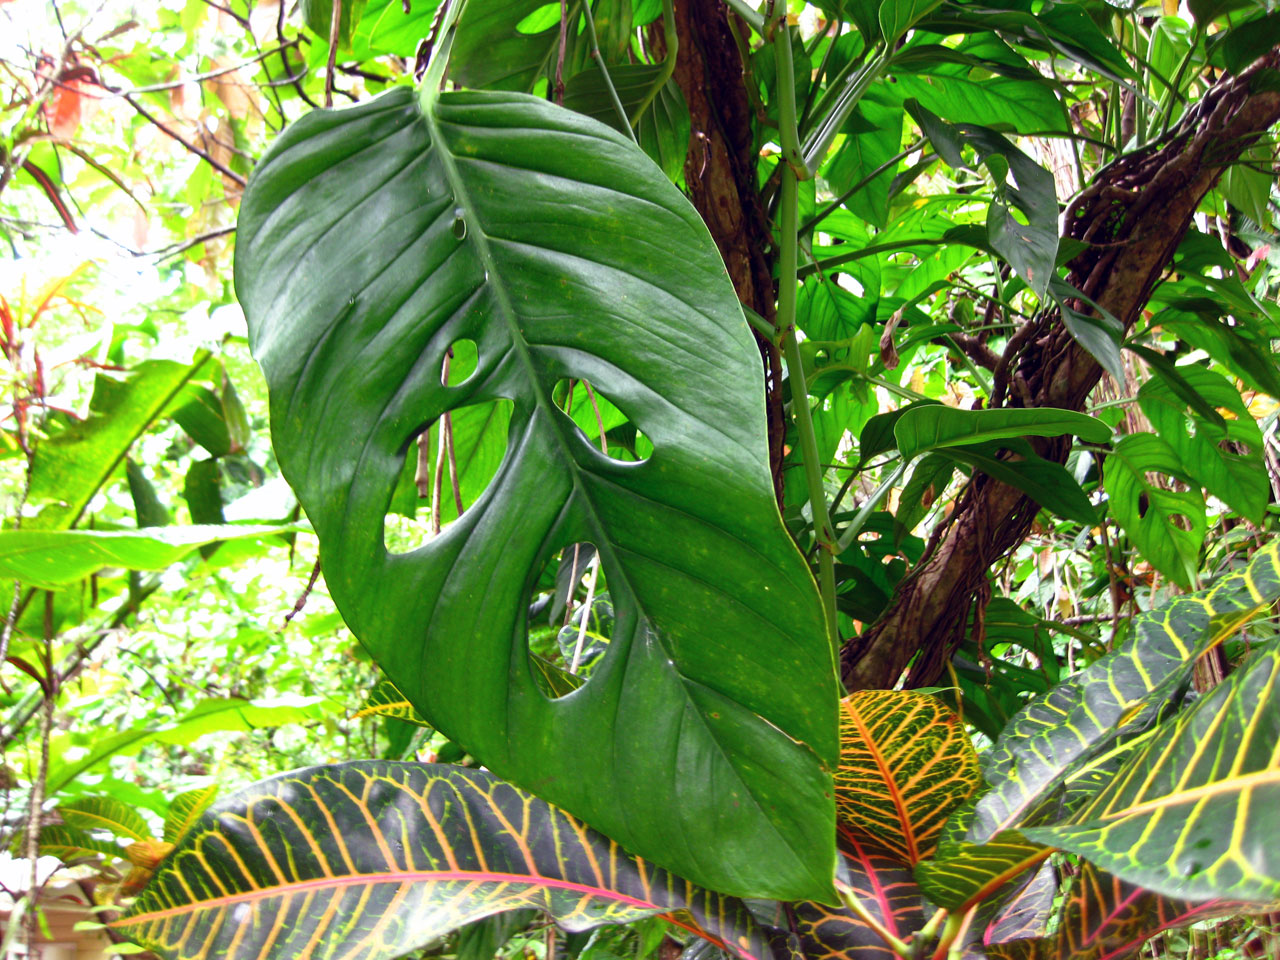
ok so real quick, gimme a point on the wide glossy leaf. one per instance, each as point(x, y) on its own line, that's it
point(493, 52)
point(905, 763)
point(884, 888)
point(1031, 248)
point(54, 558)
point(1194, 812)
point(1166, 525)
point(934, 426)
point(376, 859)
point(370, 240)
point(1081, 714)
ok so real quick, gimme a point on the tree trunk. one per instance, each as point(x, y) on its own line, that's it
point(1135, 212)
point(720, 177)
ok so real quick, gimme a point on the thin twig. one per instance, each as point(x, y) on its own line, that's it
point(335, 28)
point(564, 36)
point(306, 593)
point(192, 148)
point(447, 424)
point(591, 395)
point(284, 59)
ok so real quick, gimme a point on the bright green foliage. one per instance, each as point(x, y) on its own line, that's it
point(382, 858)
point(965, 874)
point(385, 700)
point(52, 558)
point(535, 251)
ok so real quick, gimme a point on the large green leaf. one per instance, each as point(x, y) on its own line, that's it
point(497, 49)
point(933, 426)
point(1082, 714)
point(1047, 483)
point(905, 764)
point(54, 558)
point(1194, 812)
point(372, 238)
point(376, 859)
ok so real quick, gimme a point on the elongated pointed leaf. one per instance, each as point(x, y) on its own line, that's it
point(1047, 483)
point(371, 239)
point(884, 888)
point(905, 764)
point(1194, 813)
point(1081, 714)
point(105, 813)
point(186, 809)
point(54, 558)
point(934, 426)
point(375, 859)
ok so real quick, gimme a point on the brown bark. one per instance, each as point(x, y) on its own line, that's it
point(720, 178)
point(1135, 213)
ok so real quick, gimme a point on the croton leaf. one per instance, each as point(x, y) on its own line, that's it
point(385, 700)
point(962, 875)
point(905, 764)
point(1082, 714)
point(370, 240)
point(380, 858)
point(105, 813)
point(1194, 811)
point(186, 808)
point(1104, 918)
point(884, 889)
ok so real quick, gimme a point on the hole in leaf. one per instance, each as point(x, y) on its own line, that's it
point(570, 620)
point(596, 415)
point(543, 18)
point(448, 467)
point(459, 363)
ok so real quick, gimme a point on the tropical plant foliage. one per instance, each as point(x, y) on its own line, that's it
point(643, 372)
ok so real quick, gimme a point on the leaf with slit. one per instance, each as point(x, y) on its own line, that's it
point(962, 875)
point(55, 558)
point(1194, 810)
point(1201, 444)
point(72, 465)
point(383, 858)
point(662, 127)
point(530, 229)
point(1167, 526)
point(884, 888)
point(928, 427)
point(905, 764)
point(385, 700)
point(104, 813)
point(1080, 716)
point(187, 808)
